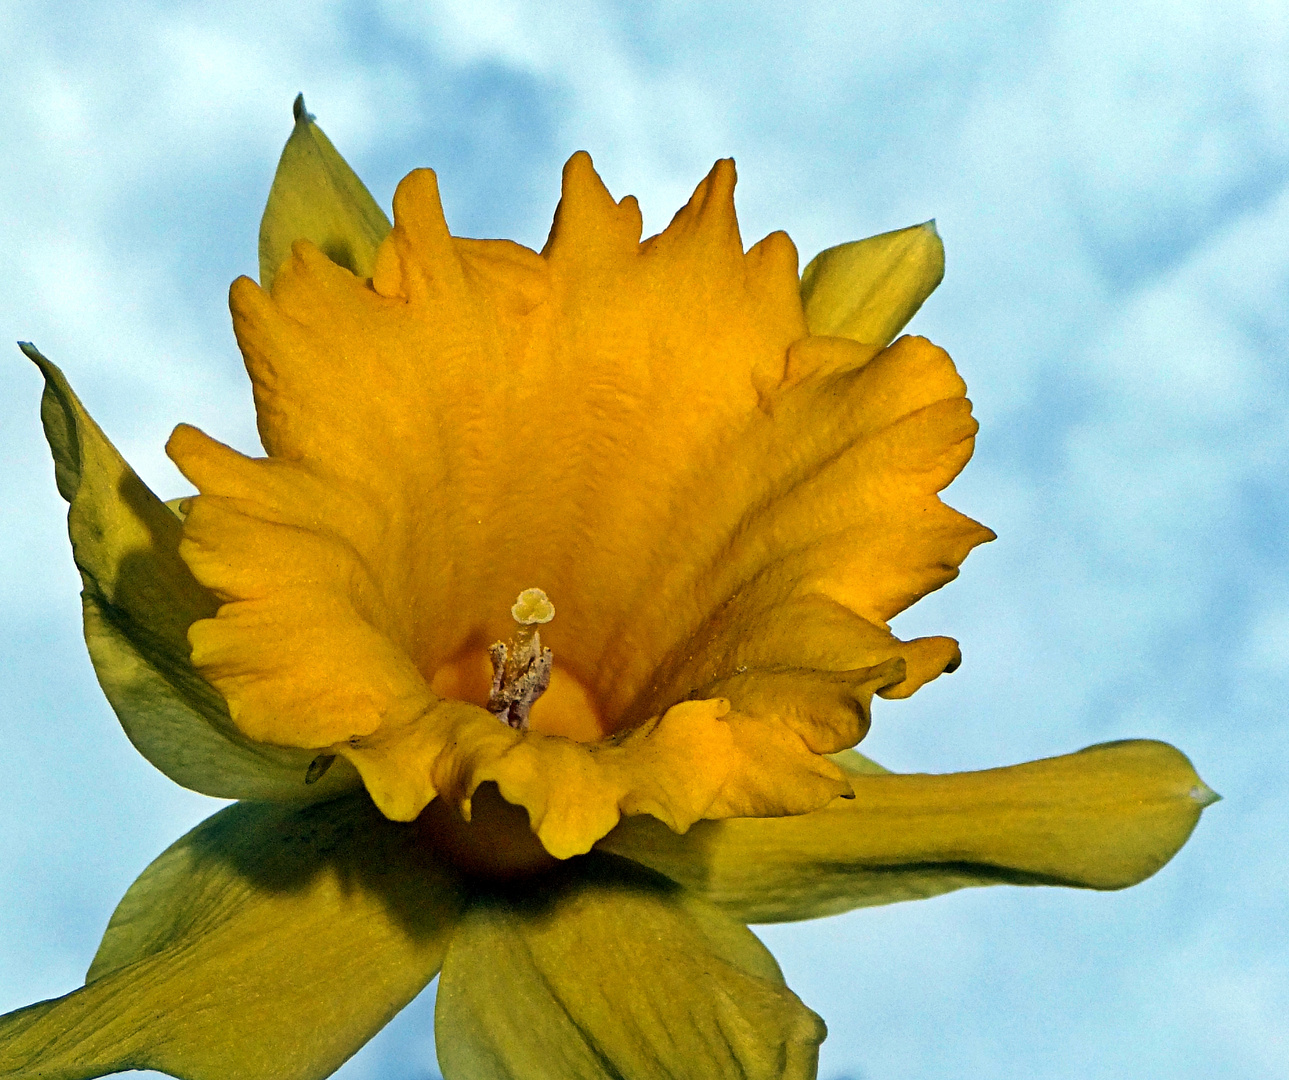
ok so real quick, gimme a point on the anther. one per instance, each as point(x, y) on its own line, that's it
point(521, 668)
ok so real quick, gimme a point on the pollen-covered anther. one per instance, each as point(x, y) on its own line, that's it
point(521, 668)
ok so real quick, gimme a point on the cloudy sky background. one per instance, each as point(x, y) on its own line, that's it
point(1111, 184)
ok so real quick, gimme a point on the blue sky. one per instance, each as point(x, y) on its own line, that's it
point(1112, 184)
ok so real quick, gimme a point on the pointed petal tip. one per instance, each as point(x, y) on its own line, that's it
point(299, 112)
point(579, 170)
point(869, 289)
point(1204, 795)
point(29, 350)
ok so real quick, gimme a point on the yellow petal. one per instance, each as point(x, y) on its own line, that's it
point(138, 601)
point(869, 289)
point(269, 942)
point(316, 196)
point(824, 509)
point(672, 767)
point(1104, 818)
point(613, 973)
point(723, 511)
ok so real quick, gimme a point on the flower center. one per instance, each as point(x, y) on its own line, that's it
point(521, 668)
point(497, 842)
point(520, 682)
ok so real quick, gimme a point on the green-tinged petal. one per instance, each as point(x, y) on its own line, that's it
point(270, 942)
point(317, 196)
point(139, 600)
point(852, 761)
point(869, 289)
point(1104, 818)
point(611, 972)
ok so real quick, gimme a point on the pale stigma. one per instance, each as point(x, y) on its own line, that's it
point(521, 668)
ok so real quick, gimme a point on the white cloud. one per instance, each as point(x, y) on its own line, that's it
point(1108, 178)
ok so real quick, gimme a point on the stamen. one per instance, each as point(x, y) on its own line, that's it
point(521, 668)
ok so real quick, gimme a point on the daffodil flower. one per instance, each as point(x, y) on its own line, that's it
point(536, 648)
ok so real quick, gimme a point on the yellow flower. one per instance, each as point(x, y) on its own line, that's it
point(710, 484)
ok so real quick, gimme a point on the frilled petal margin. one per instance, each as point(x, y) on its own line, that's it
point(611, 971)
point(1104, 818)
point(139, 600)
point(270, 943)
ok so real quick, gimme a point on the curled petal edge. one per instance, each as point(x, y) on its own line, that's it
point(699, 759)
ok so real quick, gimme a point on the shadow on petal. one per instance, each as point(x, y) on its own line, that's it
point(269, 942)
point(606, 970)
point(139, 600)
